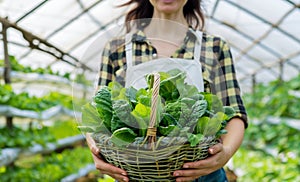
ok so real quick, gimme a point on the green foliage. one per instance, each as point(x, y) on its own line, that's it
point(17, 137)
point(62, 129)
point(91, 120)
point(16, 66)
point(125, 112)
point(281, 138)
point(277, 97)
point(5, 93)
point(25, 101)
point(104, 106)
point(122, 115)
point(271, 148)
point(47, 168)
point(194, 139)
point(123, 136)
point(257, 166)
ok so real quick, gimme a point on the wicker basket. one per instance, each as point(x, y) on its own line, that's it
point(157, 160)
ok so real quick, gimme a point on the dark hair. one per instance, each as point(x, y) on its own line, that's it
point(144, 11)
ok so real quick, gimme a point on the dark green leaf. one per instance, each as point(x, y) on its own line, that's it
point(123, 137)
point(194, 139)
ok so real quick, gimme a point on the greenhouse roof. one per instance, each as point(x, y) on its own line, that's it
point(264, 35)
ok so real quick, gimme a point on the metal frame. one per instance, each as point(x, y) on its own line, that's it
point(243, 52)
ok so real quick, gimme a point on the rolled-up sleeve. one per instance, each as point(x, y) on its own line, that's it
point(227, 85)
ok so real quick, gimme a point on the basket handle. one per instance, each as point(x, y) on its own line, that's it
point(151, 131)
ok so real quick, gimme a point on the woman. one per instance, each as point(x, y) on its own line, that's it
point(170, 41)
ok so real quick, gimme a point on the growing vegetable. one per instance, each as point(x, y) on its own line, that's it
point(182, 111)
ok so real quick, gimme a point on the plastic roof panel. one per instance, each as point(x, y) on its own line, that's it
point(251, 26)
point(109, 12)
point(262, 55)
point(88, 3)
point(296, 61)
point(265, 76)
point(50, 16)
point(266, 9)
point(36, 59)
point(16, 37)
point(290, 69)
point(291, 23)
point(74, 33)
point(249, 65)
point(15, 9)
point(282, 45)
point(264, 36)
point(236, 39)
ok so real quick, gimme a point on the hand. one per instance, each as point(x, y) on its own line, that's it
point(104, 167)
point(193, 170)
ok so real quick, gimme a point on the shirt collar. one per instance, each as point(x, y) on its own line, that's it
point(139, 37)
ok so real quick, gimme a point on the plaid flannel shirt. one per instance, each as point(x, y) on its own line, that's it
point(216, 59)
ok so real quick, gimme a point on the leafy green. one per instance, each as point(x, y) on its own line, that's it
point(116, 91)
point(181, 110)
point(123, 136)
point(214, 125)
point(201, 124)
point(122, 115)
point(104, 105)
point(25, 101)
point(18, 137)
point(6, 94)
point(144, 97)
point(229, 111)
point(60, 164)
point(214, 104)
point(168, 90)
point(195, 139)
point(91, 121)
point(16, 66)
point(191, 113)
point(131, 95)
point(142, 116)
point(166, 130)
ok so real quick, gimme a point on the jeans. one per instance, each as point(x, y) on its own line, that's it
point(217, 176)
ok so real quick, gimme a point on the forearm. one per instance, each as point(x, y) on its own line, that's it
point(234, 137)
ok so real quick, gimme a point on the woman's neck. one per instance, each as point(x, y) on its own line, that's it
point(166, 35)
point(167, 26)
point(164, 21)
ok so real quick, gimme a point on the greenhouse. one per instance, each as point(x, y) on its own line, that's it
point(50, 54)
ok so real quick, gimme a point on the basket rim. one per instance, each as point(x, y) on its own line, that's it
point(163, 143)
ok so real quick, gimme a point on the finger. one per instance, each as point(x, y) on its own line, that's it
point(186, 173)
point(107, 168)
point(92, 144)
point(215, 149)
point(118, 177)
point(181, 179)
point(194, 173)
point(203, 164)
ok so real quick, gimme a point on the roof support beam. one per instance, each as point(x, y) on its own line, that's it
point(66, 24)
point(7, 68)
point(32, 10)
point(40, 44)
point(267, 22)
point(73, 19)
